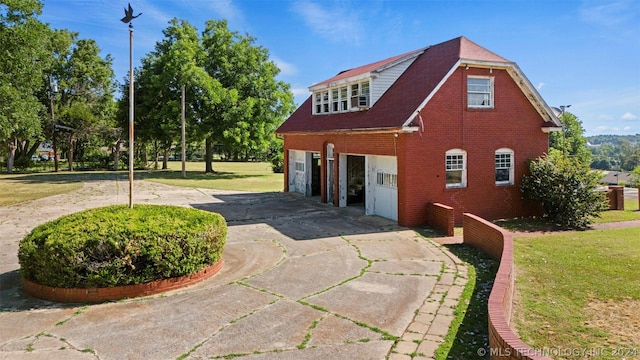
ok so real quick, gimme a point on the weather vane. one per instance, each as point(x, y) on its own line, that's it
point(128, 15)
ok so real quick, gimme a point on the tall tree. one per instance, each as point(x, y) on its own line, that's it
point(22, 58)
point(85, 105)
point(258, 102)
point(570, 142)
point(174, 63)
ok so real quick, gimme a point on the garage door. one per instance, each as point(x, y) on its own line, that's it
point(297, 171)
point(382, 197)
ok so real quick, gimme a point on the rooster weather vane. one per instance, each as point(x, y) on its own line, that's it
point(128, 15)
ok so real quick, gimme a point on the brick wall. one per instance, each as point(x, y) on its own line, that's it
point(513, 123)
point(344, 143)
point(97, 295)
point(503, 342)
point(615, 194)
point(448, 124)
point(440, 217)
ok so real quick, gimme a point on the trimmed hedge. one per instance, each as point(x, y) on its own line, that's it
point(116, 245)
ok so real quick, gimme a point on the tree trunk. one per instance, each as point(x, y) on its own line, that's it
point(155, 155)
point(165, 158)
point(116, 155)
point(11, 155)
point(70, 152)
point(208, 156)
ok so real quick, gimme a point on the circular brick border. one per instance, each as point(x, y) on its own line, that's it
point(98, 295)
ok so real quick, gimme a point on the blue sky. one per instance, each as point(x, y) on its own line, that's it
point(580, 53)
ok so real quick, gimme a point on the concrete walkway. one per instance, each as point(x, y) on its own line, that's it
point(301, 280)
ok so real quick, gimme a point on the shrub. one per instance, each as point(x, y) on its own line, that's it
point(277, 163)
point(566, 191)
point(115, 245)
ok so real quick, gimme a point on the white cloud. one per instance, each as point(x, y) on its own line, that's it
point(335, 24)
point(605, 117)
point(285, 67)
point(227, 10)
point(540, 86)
point(300, 92)
point(629, 116)
point(608, 13)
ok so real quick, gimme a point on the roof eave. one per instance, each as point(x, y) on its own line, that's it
point(548, 129)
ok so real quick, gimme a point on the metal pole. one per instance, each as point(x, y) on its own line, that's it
point(184, 151)
point(53, 125)
point(130, 116)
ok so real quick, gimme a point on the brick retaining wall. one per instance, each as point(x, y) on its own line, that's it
point(498, 243)
point(97, 295)
point(440, 217)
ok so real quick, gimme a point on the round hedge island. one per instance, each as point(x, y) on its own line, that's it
point(115, 252)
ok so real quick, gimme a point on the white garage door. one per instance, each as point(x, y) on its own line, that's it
point(297, 171)
point(382, 196)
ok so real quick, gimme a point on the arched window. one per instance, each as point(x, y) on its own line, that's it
point(456, 168)
point(504, 166)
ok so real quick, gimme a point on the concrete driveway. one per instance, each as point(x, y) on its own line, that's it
point(301, 280)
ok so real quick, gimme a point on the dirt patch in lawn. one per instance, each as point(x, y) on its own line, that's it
point(620, 319)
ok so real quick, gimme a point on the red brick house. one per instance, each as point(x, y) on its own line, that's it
point(451, 123)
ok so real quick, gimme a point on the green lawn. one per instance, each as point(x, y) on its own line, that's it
point(16, 188)
point(579, 290)
point(241, 176)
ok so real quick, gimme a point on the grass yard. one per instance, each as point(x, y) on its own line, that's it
point(15, 188)
point(630, 212)
point(241, 176)
point(580, 290)
point(469, 329)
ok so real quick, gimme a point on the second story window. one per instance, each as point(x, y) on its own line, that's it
point(351, 97)
point(480, 92)
point(325, 102)
point(344, 99)
point(334, 100)
point(360, 95)
point(318, 102)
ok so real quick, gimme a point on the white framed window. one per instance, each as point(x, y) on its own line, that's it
point(360, 95)
point(299, 166)
point(456, 168)
point(387, 179)
point(480, 92)
point(325, 102)
point(321, 102)
point(351, 97)
point(504, 166)
point(317, 99)
point(344, 99)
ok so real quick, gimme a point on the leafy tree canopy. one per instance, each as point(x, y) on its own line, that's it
point(571, 141)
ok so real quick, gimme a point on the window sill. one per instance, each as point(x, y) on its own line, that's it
point(455, 187)
point(481, 108)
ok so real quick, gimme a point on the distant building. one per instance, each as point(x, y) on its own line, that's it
point(616, 178)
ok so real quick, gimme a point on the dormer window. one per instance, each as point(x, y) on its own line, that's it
point(350, 97)
point(360, 95)
point(344, 99)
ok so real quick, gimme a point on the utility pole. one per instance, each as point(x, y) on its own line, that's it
point(184, 151)
point(564, 130)
point(53, 89)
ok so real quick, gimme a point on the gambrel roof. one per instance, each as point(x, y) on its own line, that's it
point(399, 105)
